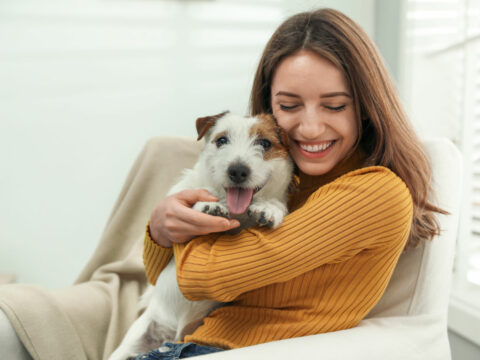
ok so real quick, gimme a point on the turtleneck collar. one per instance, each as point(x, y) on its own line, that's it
point(353, 162)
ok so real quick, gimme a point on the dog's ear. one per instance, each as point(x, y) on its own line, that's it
point(283, 137)
point(205, 123)
point(281, 134)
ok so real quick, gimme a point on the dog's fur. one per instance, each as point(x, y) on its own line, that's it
point(240, 153)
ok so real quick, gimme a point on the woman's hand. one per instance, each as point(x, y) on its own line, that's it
point(174, 220)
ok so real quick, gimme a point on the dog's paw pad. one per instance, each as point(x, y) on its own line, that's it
point(264, 215)
point(261, 217)
point(220, 211)
point(262, 220)
point(212, 208)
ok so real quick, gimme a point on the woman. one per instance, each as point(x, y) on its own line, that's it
point(362, 199)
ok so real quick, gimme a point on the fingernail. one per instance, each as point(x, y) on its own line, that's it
point(235, 223)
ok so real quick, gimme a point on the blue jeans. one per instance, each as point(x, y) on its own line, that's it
point(170, 351)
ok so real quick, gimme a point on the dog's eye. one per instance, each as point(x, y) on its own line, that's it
point(266, 144)
point(221, 141)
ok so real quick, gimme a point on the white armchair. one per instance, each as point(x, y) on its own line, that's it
point(87, 320)
point(410, 321)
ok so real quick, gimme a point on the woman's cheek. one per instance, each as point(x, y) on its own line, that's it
point(283, 120)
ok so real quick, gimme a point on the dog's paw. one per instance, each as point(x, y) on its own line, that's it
point(212, 208)
point(269, 214)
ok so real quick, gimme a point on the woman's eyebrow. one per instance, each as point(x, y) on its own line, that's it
point(326, 95)
point(286, 93)
point(334, 94)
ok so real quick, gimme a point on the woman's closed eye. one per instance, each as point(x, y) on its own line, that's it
point(331, 108)
point(288, 107)
point(336, 108)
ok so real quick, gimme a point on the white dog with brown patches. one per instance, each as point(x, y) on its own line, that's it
point(245, 164)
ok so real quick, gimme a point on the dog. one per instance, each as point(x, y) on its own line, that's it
point(246, 165)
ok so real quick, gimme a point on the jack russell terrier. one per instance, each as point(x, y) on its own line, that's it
point(246, 165)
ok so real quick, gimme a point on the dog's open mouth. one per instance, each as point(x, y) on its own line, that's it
point(238, 199)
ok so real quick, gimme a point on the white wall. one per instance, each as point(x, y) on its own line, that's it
point(362, 12)
point(83, 85)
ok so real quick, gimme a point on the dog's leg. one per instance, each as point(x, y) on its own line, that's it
point(157, 324)
point(267, 212)
point(141, 337)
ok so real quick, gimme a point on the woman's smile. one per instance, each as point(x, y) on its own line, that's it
point(315, 150)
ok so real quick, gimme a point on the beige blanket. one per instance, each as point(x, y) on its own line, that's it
point(88, 320)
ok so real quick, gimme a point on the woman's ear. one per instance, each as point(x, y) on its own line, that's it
point(205, 123)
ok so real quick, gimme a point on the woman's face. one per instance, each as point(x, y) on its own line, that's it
point(312, 102)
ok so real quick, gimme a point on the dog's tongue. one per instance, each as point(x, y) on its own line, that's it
point(238, 199)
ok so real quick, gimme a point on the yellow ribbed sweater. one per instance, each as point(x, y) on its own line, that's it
point(322, 270)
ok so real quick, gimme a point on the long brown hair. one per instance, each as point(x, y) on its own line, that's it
point(387, 135)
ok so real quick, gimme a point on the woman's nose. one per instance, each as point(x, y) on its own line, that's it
point(312, 124)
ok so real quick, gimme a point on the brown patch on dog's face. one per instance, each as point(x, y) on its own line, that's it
point(267, 129)
point(205, 123)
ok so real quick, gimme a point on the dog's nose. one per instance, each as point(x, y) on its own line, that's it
point(238, 173)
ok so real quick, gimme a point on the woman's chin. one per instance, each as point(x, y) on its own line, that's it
point(314, 169)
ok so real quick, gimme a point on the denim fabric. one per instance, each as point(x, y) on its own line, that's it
point(170, 351)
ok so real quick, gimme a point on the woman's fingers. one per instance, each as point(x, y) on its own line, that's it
point(203, 223)
point(174, 220)
point(182, 228)
point(208, 223)
point(191, 197)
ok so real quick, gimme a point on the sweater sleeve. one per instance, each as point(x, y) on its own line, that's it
point(359, 211)
point(155, 257)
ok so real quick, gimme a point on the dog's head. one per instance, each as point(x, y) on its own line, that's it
point(245, 157)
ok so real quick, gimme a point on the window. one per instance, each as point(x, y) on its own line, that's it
point(443, 85)
point(142, 68)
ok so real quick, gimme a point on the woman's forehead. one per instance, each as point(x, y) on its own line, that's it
point(305, 71)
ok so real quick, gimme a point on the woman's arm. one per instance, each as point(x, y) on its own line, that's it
point(361, 210)
point(174, 221)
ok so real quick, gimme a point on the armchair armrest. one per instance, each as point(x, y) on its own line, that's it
point(413, 337)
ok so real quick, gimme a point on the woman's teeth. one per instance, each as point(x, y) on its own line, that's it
point(316, 148)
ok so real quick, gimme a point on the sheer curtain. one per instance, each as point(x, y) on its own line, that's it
point(443, 74)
